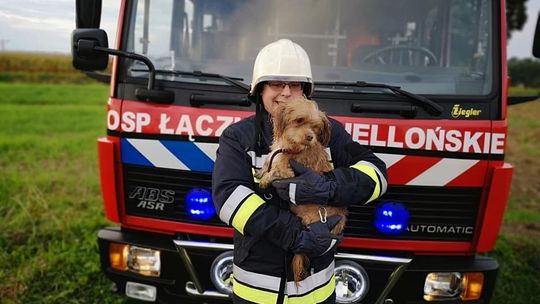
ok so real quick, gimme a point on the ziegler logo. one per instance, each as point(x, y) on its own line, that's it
point(152, 198)
point(440, 229)
point(458, 111)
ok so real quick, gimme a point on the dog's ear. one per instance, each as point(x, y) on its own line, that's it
point(278, 122)
point(325, 131)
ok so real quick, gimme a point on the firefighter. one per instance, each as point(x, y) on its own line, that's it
point(267, 234)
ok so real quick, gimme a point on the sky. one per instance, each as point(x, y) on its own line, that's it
point(46, 25)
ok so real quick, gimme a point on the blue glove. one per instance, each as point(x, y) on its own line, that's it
point(317, 239)
point(307, 187)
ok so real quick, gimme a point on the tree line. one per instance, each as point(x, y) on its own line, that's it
point(516, 15)
point(524, 72)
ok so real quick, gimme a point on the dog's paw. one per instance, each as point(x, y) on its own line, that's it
point(265, 181)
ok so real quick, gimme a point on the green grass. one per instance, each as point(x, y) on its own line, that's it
point(523, 91)
point(50, 204)
point(53, 94)
point(519, 260)
point(39, 68)
point(518, 248)
point(51, 209)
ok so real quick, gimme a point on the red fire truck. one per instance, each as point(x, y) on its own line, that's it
point(423, 83)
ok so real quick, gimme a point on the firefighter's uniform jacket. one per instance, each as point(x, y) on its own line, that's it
point(265, 229)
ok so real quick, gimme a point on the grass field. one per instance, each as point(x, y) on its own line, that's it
point(51, 210)
point(39, 67)
point(50, 204)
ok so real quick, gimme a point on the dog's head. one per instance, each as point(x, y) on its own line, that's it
point(298, 125)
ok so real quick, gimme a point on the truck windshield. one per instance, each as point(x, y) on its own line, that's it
point(437, 47)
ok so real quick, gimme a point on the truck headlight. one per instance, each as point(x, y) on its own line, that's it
point(145, 261)
point(352, 282)
point(221, 272)
point(453, 285)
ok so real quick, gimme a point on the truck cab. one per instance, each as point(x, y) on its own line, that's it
point(422, 83)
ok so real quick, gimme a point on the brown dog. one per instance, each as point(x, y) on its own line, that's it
point(301, 132)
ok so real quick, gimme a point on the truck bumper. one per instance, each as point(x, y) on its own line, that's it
point(186, 263)
point(174, 277)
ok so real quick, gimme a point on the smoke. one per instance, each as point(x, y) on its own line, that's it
point(239, 29)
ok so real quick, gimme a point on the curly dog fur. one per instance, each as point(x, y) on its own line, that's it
point(301, 132)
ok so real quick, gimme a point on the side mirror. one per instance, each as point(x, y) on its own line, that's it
point(85, 57)
point(536, 43)
point(90, 52)
point(88, 13)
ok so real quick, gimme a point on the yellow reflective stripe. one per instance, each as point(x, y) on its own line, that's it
point(255, 179)
point(245, 211)
point(254, 295)
point(369, 171)
point(233, 202)
point(315, 296)
point(312, 282)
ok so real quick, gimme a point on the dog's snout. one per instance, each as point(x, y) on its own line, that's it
point(309, 137)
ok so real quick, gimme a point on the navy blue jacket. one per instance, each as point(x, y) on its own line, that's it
point(265, 229)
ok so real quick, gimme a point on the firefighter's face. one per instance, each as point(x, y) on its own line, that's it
point(276, 92)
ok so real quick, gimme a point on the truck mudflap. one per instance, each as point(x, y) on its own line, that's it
point(186, 263)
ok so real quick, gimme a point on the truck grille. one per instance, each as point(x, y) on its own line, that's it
point(442, 214)
point(138, 180)
point(436, 213)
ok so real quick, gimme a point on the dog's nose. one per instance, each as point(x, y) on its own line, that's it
point(309, 137)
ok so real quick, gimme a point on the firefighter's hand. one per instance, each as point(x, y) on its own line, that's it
point(307, 187)
point(317, 240)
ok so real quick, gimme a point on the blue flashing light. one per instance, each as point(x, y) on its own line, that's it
point(391, 217)
point(199, 204)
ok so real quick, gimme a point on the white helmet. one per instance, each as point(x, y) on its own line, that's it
point(282, 60)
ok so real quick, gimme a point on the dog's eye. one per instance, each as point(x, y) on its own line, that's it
point(299, 120)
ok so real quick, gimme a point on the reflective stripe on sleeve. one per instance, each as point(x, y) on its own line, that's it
point(255, 179)
point(239, 207)
point(373, 172)
point(245, 211)
point(254, 295)
point(384, 183)
point(233, 202)
point(257, 161)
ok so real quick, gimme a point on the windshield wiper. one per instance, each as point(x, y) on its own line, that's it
point(197, 100)
point(430, 106)
point(235, 81)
